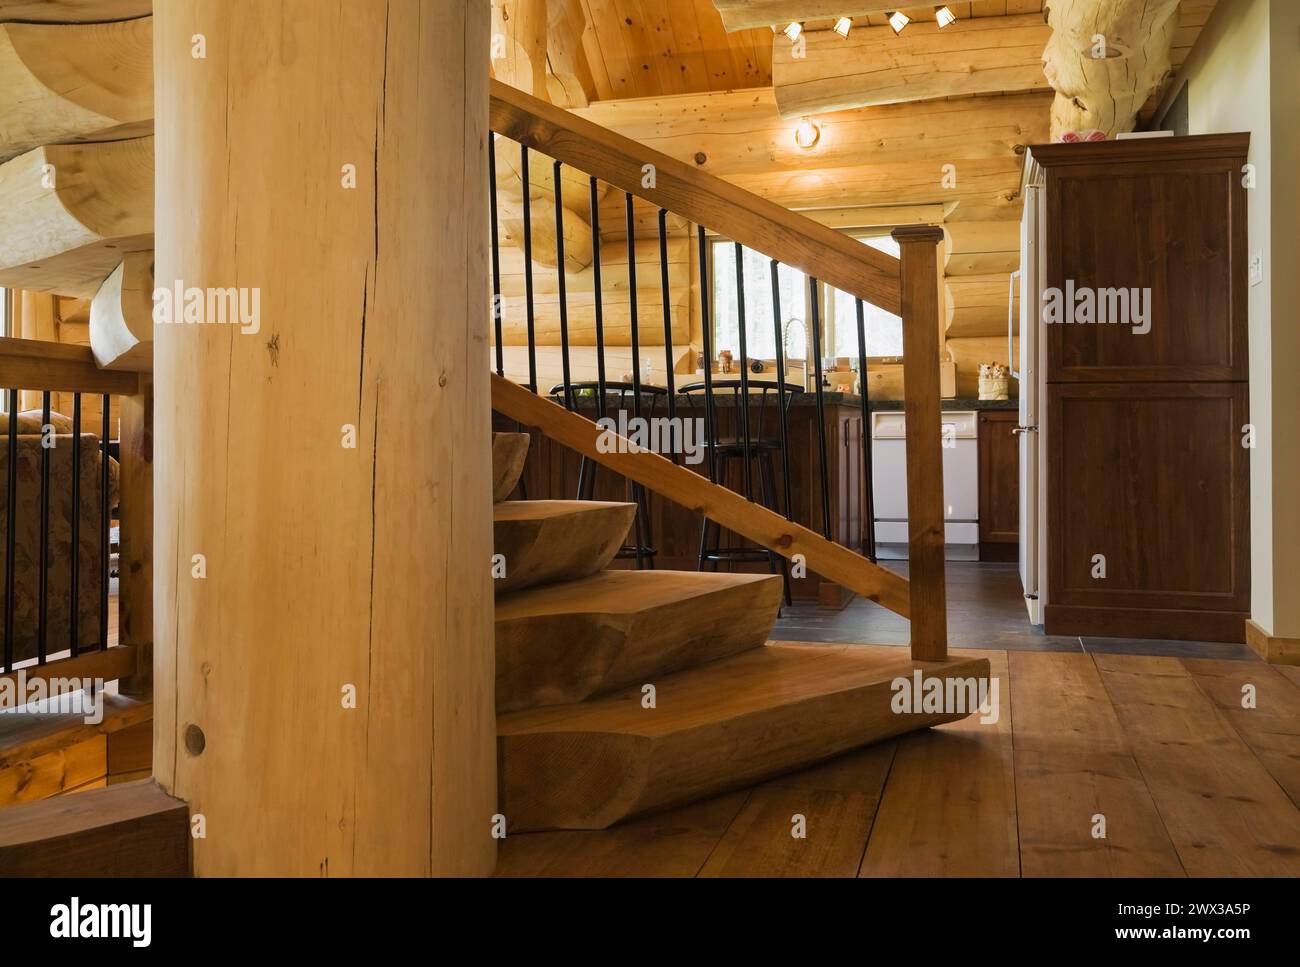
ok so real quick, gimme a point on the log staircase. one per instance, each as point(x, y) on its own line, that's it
point(620, 692)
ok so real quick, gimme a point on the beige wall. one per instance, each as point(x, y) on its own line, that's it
point(1245, 76)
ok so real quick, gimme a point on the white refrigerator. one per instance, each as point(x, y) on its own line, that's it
point(1029, 370)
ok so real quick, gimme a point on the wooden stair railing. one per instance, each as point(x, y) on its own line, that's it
point(906, 286)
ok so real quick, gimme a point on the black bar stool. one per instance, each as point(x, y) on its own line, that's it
point(750, 444)
point(620, 398)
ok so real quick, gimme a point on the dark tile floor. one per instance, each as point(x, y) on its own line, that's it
point(985, 610)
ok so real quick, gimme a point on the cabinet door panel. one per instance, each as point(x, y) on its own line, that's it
point(999, 476)
point(1154, 478)
point(1176, 230)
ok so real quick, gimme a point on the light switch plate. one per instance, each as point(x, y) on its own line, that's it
point(1256, 268)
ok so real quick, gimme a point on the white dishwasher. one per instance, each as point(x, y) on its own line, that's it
point(960, 484)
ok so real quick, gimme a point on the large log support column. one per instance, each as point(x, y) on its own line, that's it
point(323, 497)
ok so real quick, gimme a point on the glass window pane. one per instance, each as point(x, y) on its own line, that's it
point(760, 331)
point(884, 330)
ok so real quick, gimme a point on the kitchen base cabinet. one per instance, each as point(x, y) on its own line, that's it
point(999, 486)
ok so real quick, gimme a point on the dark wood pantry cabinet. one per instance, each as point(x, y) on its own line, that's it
point(1147, 476)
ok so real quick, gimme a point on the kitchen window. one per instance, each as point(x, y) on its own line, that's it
point(838, 311)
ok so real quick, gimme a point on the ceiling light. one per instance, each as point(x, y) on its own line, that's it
point(842, 26)
point(793, 31)
point(898, 20)
point(944, 16)
point(806, 133)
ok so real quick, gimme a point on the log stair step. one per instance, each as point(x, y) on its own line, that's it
point(509, 451)
point(566, 642)
point(727, 724)
point(544, 541)
point(49, 749)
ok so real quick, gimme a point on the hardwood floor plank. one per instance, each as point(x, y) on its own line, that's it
point(1073, 764)
point(1272, 727)
point(1224, 813)
point(1059, 796)
point(673, 843)
point(1061, 705)
point(837, 801)
point(949, 807)
point(1290, 672)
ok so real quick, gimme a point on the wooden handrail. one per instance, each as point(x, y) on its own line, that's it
point(693, 491)
point(107, 664)
point(793, 239)
point(35, 364)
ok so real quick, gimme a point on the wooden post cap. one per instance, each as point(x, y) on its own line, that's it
point(917, 233)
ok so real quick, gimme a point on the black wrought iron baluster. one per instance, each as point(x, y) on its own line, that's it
point(75, 550)
point(821, 406)
point(600, 299)
point(496, 252)
point(528, 270)
point(43, 582)
point(674, 440)
point(781, 395)
point(743, 415)
point(706, 332)
point(564, 301)
point(631, 292)
point(869, 544)
point(11, 517)
point(106, 523)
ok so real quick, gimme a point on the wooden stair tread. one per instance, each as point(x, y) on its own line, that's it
point(509, 452)
point(719, 726)
point(25, 735)
point(128, 829)
point(545, 541)
point(622, 592)
point(565, 642)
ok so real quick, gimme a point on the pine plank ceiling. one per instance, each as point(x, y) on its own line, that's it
point(652, 48)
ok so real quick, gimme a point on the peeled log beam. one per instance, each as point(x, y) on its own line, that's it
point(521, 25)
point(570, 82)
point(577, 232)
point(69, 213)
point(73, 11)
point(735, 132)
point(981, 248)
point(976, 305)
point(872, 65)
point(74, 83)
point(121, 316)
point(1106, 92)
point(575, 192)
point(747, 14)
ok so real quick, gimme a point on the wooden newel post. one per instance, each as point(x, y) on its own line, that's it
point(919, 255)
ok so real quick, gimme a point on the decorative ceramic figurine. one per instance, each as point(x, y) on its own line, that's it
point(724, 361)
point(993, 381)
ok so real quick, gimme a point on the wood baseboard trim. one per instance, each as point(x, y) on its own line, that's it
point(1229, 626)
point(1275, 650)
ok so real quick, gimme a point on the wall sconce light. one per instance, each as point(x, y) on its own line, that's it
point(793, 31)
point(807, 134)
point(944, 16)
point(842, 26)
point(898, 20)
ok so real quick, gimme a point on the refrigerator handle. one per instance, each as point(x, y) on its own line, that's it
point(1011, 323)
